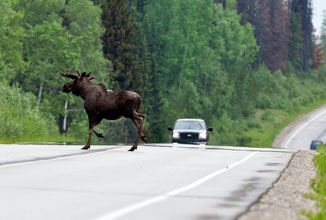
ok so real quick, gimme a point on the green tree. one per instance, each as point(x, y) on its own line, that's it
point(60, 35)
point(19, 121)
point(236, 46)
point(323, 33)
point(11, 33)
point(119, 46)
point(295, 41)
point(39, 11)
point(85, 25)
point(304, 9)
point(49, 50)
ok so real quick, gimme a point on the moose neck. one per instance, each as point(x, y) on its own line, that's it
point(85, 88)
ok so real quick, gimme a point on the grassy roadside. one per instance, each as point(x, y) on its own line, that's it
point(267, 124)
point(319, 186)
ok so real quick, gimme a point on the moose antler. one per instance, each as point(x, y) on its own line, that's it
point(69, 75)
point(89, 76)
point(72, 76)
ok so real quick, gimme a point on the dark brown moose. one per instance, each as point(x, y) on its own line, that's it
point(101, 103)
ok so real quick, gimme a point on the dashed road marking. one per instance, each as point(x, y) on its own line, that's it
point(134, 207)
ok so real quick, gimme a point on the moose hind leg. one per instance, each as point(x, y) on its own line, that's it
point(142, 122)
point(138, 126)
point(100, 135)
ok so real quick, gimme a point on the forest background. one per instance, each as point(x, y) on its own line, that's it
point(247, 67)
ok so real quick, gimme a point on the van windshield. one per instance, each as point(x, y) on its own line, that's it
point(189, 125)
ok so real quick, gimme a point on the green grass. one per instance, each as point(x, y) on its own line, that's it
point(319, 186)
point(269, 123)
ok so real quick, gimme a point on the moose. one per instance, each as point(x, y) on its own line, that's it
point(101, 103)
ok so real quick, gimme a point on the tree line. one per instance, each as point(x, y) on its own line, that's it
point(218, 60)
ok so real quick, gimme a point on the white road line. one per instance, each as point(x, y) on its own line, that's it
point(57, 158)
point(304, 125)
point(134, 207)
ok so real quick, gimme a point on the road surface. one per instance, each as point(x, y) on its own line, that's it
point(154, 182)
point(310, 127)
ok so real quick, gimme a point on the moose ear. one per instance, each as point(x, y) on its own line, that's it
point(83, 74)
point(88, 74)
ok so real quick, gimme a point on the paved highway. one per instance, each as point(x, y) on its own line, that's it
point(155, 182)
point(310, 127)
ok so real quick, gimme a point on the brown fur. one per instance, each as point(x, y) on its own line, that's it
point(101, 103)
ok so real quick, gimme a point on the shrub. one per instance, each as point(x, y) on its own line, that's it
point(19, 120)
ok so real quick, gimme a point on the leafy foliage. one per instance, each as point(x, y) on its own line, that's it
point(295, 43)
point(19, 119)
point(270, 18)
point(236, 64)
point(304, 9)
point(11, 32)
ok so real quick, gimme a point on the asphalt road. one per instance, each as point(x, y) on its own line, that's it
point(154, 182)
point(309, 127)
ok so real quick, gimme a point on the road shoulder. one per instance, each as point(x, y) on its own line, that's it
point(285, 199)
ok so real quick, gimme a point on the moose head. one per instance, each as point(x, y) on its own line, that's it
point(74, 86)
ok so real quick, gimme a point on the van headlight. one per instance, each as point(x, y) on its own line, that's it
point(202, 135)
point(176, 135)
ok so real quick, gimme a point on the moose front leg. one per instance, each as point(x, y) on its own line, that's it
point(92, 121)
point(90, 132)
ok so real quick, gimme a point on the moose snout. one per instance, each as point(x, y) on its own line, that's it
point(65, 89)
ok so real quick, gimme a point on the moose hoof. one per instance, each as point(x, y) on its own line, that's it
point(144, 138)
point(133, 148)
point(85, 147)
point(101, 136)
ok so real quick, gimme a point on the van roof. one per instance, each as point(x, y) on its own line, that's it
point(190, 119)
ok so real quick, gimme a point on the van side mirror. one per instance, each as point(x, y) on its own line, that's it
point(170, 128)
point(209, 129)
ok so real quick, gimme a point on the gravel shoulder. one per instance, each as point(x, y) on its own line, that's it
point(285, 199)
